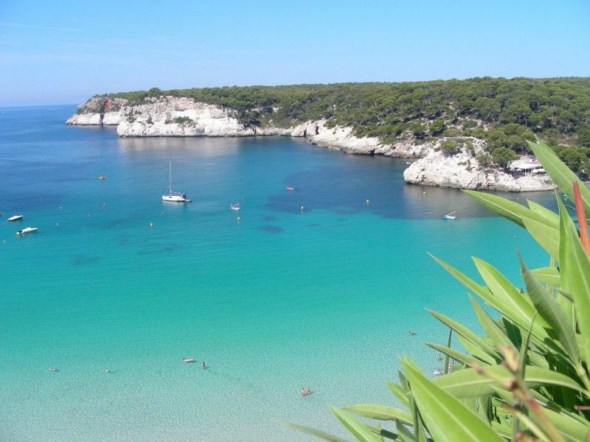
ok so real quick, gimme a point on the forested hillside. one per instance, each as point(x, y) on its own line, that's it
point(504, 112)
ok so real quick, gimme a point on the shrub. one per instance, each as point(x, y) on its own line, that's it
point(526, 376)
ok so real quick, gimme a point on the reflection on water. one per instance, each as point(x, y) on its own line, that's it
point(199, 146)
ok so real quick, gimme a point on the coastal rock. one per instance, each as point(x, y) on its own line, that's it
point(462, 170)
point(185, 117)
point(98, 111)
point(179, 117)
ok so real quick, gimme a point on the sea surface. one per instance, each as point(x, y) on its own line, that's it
point(317, 287)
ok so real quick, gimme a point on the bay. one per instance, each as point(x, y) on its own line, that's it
point(316, 287)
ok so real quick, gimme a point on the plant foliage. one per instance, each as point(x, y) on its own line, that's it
point(526, 375)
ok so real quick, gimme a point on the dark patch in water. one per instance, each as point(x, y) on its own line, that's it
point(313, 225)
point(168, 248)
point(271, 229)
point(269, 218)
point(81, 260)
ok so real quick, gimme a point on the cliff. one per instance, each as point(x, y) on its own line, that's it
point(185, 117)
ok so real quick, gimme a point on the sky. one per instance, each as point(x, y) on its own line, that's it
point(65, 51)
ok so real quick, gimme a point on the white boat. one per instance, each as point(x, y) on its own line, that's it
point(174, 197)
point(450, 216)
point(26, 230)
point(235, 206)
point(14, 218)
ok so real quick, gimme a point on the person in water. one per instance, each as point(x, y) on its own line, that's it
point(306, 391)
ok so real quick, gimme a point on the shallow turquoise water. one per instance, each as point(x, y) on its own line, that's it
point(280, 299)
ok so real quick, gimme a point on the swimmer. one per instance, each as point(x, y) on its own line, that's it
point(412, 333)
point(306, 391)
point(107, 370)
point(203, 365)
point(53, 369)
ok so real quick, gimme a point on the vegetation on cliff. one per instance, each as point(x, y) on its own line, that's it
point(505, 112)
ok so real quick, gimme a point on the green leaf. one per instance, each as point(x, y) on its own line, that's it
point(552, 313)
point(400, 393)
point(440, 411)
point(503, 207)
point(313, 432)
point(359, 430)
point(544, 212)
point(519, 308)
point(547, 236)
point(468, 383)
point(380, 412)
point(490, 327)
point(547, 275)
point(575, 276)
point(560, 173)
point(469, 335)
point(452, 353)
point(506, 300)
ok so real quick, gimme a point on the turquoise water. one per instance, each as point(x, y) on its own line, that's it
point(276, 300)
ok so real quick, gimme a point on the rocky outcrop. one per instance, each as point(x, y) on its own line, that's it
point(185, 117)
point(179, 117)
point(462, 170)
point(98, 111)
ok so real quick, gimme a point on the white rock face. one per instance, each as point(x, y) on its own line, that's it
point(463, 171)
point(179, 117)
point(185, 117)
point(91, 114)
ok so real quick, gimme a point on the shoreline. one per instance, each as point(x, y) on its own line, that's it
point(184, 117)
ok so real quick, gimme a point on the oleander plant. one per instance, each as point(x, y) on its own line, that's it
point(525, 376)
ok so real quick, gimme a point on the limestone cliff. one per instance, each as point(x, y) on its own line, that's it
point(462, 170)
point(184, 117)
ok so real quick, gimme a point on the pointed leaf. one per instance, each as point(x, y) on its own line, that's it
point(547, 236)
point(508, 209)
point(490, 327)
point(440, 411)
point(552, 313)
point(465, 332)
point(510, 305)
point(468, 383)
point(520, 310)
point(400, 393)
point(359, 430)
point(380, 412)
point(559, 172)
point(452, 353)
point(544, 212)
point(575, 276)
point(314, 432)
point(547, 275)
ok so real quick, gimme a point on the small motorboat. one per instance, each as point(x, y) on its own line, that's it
point(26, 230)
point(290, 188)
point(14, 218)
point(189, 360)
point(102, 177)
point(450, 215)
point(235, 206)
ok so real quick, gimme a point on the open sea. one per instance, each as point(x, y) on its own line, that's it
point(316, 287)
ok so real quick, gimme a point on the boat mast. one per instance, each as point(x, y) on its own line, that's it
point(170, 176)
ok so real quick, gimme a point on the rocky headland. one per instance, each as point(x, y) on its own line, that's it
point(185, 117)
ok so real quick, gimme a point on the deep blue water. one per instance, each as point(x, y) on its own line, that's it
point(315, 287)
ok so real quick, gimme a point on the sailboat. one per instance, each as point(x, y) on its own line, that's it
point(174, 197)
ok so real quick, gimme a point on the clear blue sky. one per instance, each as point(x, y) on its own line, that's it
point(54, 52)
